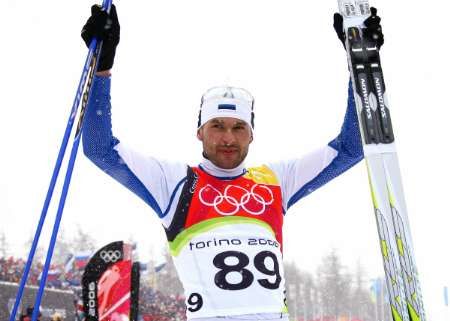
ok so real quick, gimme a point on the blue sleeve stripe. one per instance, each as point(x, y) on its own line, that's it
point(98, 143)
point(115, 167)
point(173, 196)
point(347, 144)
point(340, 164)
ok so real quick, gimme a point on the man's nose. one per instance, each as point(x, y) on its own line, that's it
point(228, 137)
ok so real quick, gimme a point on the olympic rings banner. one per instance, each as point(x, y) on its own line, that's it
point(111, 284)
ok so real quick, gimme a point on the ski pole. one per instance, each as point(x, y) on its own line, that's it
point(67, 179)
point(68, 176)
point(53, 180)
point(57, 167)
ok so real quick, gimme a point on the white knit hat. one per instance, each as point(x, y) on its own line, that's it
point(226, 102)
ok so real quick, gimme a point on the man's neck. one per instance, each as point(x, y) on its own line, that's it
point(216, 171)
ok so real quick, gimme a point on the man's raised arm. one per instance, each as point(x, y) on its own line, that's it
point(300, 177)
point(152, 180)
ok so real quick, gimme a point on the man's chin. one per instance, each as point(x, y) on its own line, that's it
point(224, 161)
point(227, 163)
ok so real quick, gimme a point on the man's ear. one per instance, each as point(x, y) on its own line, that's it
point(200, 134)
point(251, 136)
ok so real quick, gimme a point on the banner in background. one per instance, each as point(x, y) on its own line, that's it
point(111, 284)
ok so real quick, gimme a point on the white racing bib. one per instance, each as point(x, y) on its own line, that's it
point(226, 244)
point(232, 269)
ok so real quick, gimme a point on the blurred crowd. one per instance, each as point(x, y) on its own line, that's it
point(11, 270)
point(153, 305)
point(27, 316)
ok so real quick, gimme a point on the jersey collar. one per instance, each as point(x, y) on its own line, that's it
point(207, 166)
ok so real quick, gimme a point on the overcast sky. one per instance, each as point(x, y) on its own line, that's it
point(286, 53)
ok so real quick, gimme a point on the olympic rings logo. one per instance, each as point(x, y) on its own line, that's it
point(110, 256)
point(234, 198)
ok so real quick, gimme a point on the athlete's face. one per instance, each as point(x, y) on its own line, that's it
point(225, 141)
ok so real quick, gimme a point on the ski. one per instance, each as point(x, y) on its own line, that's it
point(382, 165)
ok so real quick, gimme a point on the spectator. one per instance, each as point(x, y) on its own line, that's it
point(28, 315)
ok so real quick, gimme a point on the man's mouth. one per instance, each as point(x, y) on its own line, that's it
point(228, 151)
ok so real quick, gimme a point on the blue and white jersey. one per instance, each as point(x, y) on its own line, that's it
point(160, 184)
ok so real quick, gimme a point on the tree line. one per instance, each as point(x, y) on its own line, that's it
point(335, 292)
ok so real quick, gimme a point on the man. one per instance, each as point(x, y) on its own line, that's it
point(56, 317)
point(223, 220)
point(27, 316)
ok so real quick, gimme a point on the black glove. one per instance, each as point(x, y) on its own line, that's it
point(105, 27)
point(373, 28)
point(338, 25)
point(372, 31)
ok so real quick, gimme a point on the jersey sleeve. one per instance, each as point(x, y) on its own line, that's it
point(300, 177)
point(156, 182)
